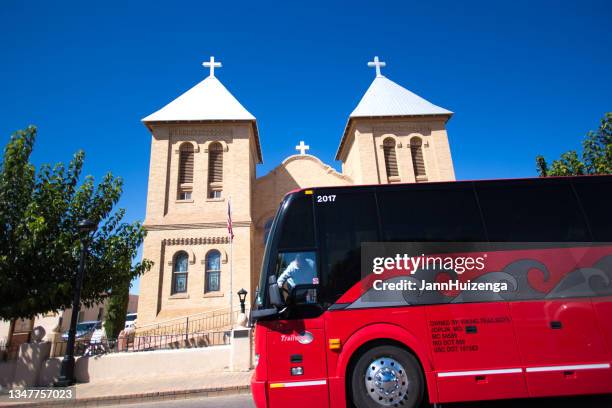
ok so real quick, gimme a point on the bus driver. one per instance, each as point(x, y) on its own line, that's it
point(299, 272)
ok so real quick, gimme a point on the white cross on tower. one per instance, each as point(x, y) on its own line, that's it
point(302, 147)
point(212, 65)
point(378, 64)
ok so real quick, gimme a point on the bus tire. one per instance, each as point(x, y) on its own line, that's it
point(387, 376)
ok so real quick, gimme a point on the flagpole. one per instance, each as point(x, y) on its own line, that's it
point(231, 237)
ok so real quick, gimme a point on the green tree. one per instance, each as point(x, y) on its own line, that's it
point(114, 320)
point(40, 240)
point(596, 155)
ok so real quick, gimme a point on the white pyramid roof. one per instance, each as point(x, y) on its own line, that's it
point(208, 100)
point(386, 98)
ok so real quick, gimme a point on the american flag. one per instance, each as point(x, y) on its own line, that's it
point(230, 230)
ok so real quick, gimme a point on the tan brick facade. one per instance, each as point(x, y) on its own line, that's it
point(198, 225)
point(362, 154)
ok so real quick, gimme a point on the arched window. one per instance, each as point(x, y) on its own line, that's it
point(215, 170)
point(418, 164)
point(390, 159)
point(179, 272)
point(185, 171)
point(212, 275)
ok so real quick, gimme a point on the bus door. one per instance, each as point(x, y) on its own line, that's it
point(296, 363)
point(297, 375)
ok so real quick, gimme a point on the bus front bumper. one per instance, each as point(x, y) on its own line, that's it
point(258, 390)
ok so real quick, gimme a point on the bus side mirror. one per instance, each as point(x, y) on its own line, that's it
point(306, 294)
point(274, 293)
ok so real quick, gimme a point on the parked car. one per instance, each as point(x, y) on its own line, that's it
point(84, 330)
point(130, 320)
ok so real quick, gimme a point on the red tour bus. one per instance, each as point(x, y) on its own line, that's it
point(332, 331)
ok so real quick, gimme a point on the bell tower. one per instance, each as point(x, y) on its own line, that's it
point(204, 150)
point(395, 136)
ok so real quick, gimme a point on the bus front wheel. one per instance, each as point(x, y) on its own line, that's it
point(387, 376)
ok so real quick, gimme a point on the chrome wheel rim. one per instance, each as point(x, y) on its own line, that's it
point(386, 382)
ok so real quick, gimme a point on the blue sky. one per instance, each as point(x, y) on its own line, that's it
point(523, 78)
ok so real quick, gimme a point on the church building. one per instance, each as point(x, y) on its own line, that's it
point(205, 147)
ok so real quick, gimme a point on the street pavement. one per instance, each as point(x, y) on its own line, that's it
point(141, 386)
point(245, 401)
point(229, 401)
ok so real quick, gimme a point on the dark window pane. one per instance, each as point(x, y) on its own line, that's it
point(213, 260)
point(179, 275)
point(343, 224)
point(212, 281)
point(297, 226)
point(430, 214)
point(536, 211)
point(213, 266)
point(180, 282)
point(180, 262)
point(595, 193)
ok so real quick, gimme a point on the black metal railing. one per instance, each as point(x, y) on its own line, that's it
point(210, 321)
point(144, 343)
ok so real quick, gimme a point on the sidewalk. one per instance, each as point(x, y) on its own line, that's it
point(147, 389)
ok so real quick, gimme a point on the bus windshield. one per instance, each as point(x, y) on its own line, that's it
point(290, 253)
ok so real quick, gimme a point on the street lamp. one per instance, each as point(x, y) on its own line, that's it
point(242, 296)
point(66, 377)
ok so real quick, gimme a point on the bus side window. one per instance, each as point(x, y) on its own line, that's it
point(596, 197)
point(296, 268)
point(523, 211)
point(431, 214)
point(341, 227)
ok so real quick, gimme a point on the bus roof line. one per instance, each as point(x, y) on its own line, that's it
point(297, 190)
